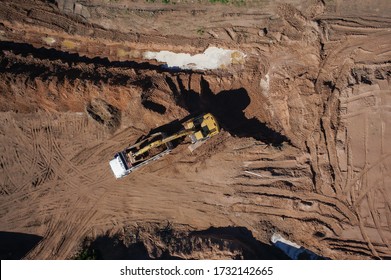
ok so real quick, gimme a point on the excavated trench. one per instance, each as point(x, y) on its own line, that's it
point(228, 106)
point(64, 65)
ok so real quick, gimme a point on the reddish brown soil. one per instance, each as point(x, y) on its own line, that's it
point(306, 123)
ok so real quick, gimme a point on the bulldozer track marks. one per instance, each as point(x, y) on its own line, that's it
point(360, 248)
point(305, 196)
point(299, 215)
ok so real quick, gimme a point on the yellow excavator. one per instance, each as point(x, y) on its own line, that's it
point(155, 146)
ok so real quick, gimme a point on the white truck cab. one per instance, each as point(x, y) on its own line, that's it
point(118, 167)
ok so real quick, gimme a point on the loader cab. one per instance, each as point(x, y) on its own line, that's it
point(205, 126)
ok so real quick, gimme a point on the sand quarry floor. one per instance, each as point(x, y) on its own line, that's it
point(305, 111)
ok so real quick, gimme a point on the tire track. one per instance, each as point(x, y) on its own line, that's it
point(364, 192)
point(64, 234)
point(376, 220)
point(305, 196)
point(330, 223)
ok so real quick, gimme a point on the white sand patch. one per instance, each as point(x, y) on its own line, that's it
point(211, 58)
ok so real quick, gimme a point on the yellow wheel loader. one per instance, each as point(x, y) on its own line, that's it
point(155, 146)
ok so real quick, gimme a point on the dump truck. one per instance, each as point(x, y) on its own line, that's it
point(159, 144)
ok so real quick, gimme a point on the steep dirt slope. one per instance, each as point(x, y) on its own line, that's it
point(305, 120)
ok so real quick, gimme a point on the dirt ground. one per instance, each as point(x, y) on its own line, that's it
point(306, 126)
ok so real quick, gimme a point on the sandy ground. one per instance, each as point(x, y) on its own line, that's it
point(306, 124)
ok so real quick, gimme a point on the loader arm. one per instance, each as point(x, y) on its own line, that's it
point(158, 143)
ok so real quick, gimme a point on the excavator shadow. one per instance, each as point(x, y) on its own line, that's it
point(228, 106)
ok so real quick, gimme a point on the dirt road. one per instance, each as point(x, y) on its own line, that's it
point(305, 116)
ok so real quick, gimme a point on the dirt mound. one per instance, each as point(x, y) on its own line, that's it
point(104, 113)
point(305, 124)
point(158, 241)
